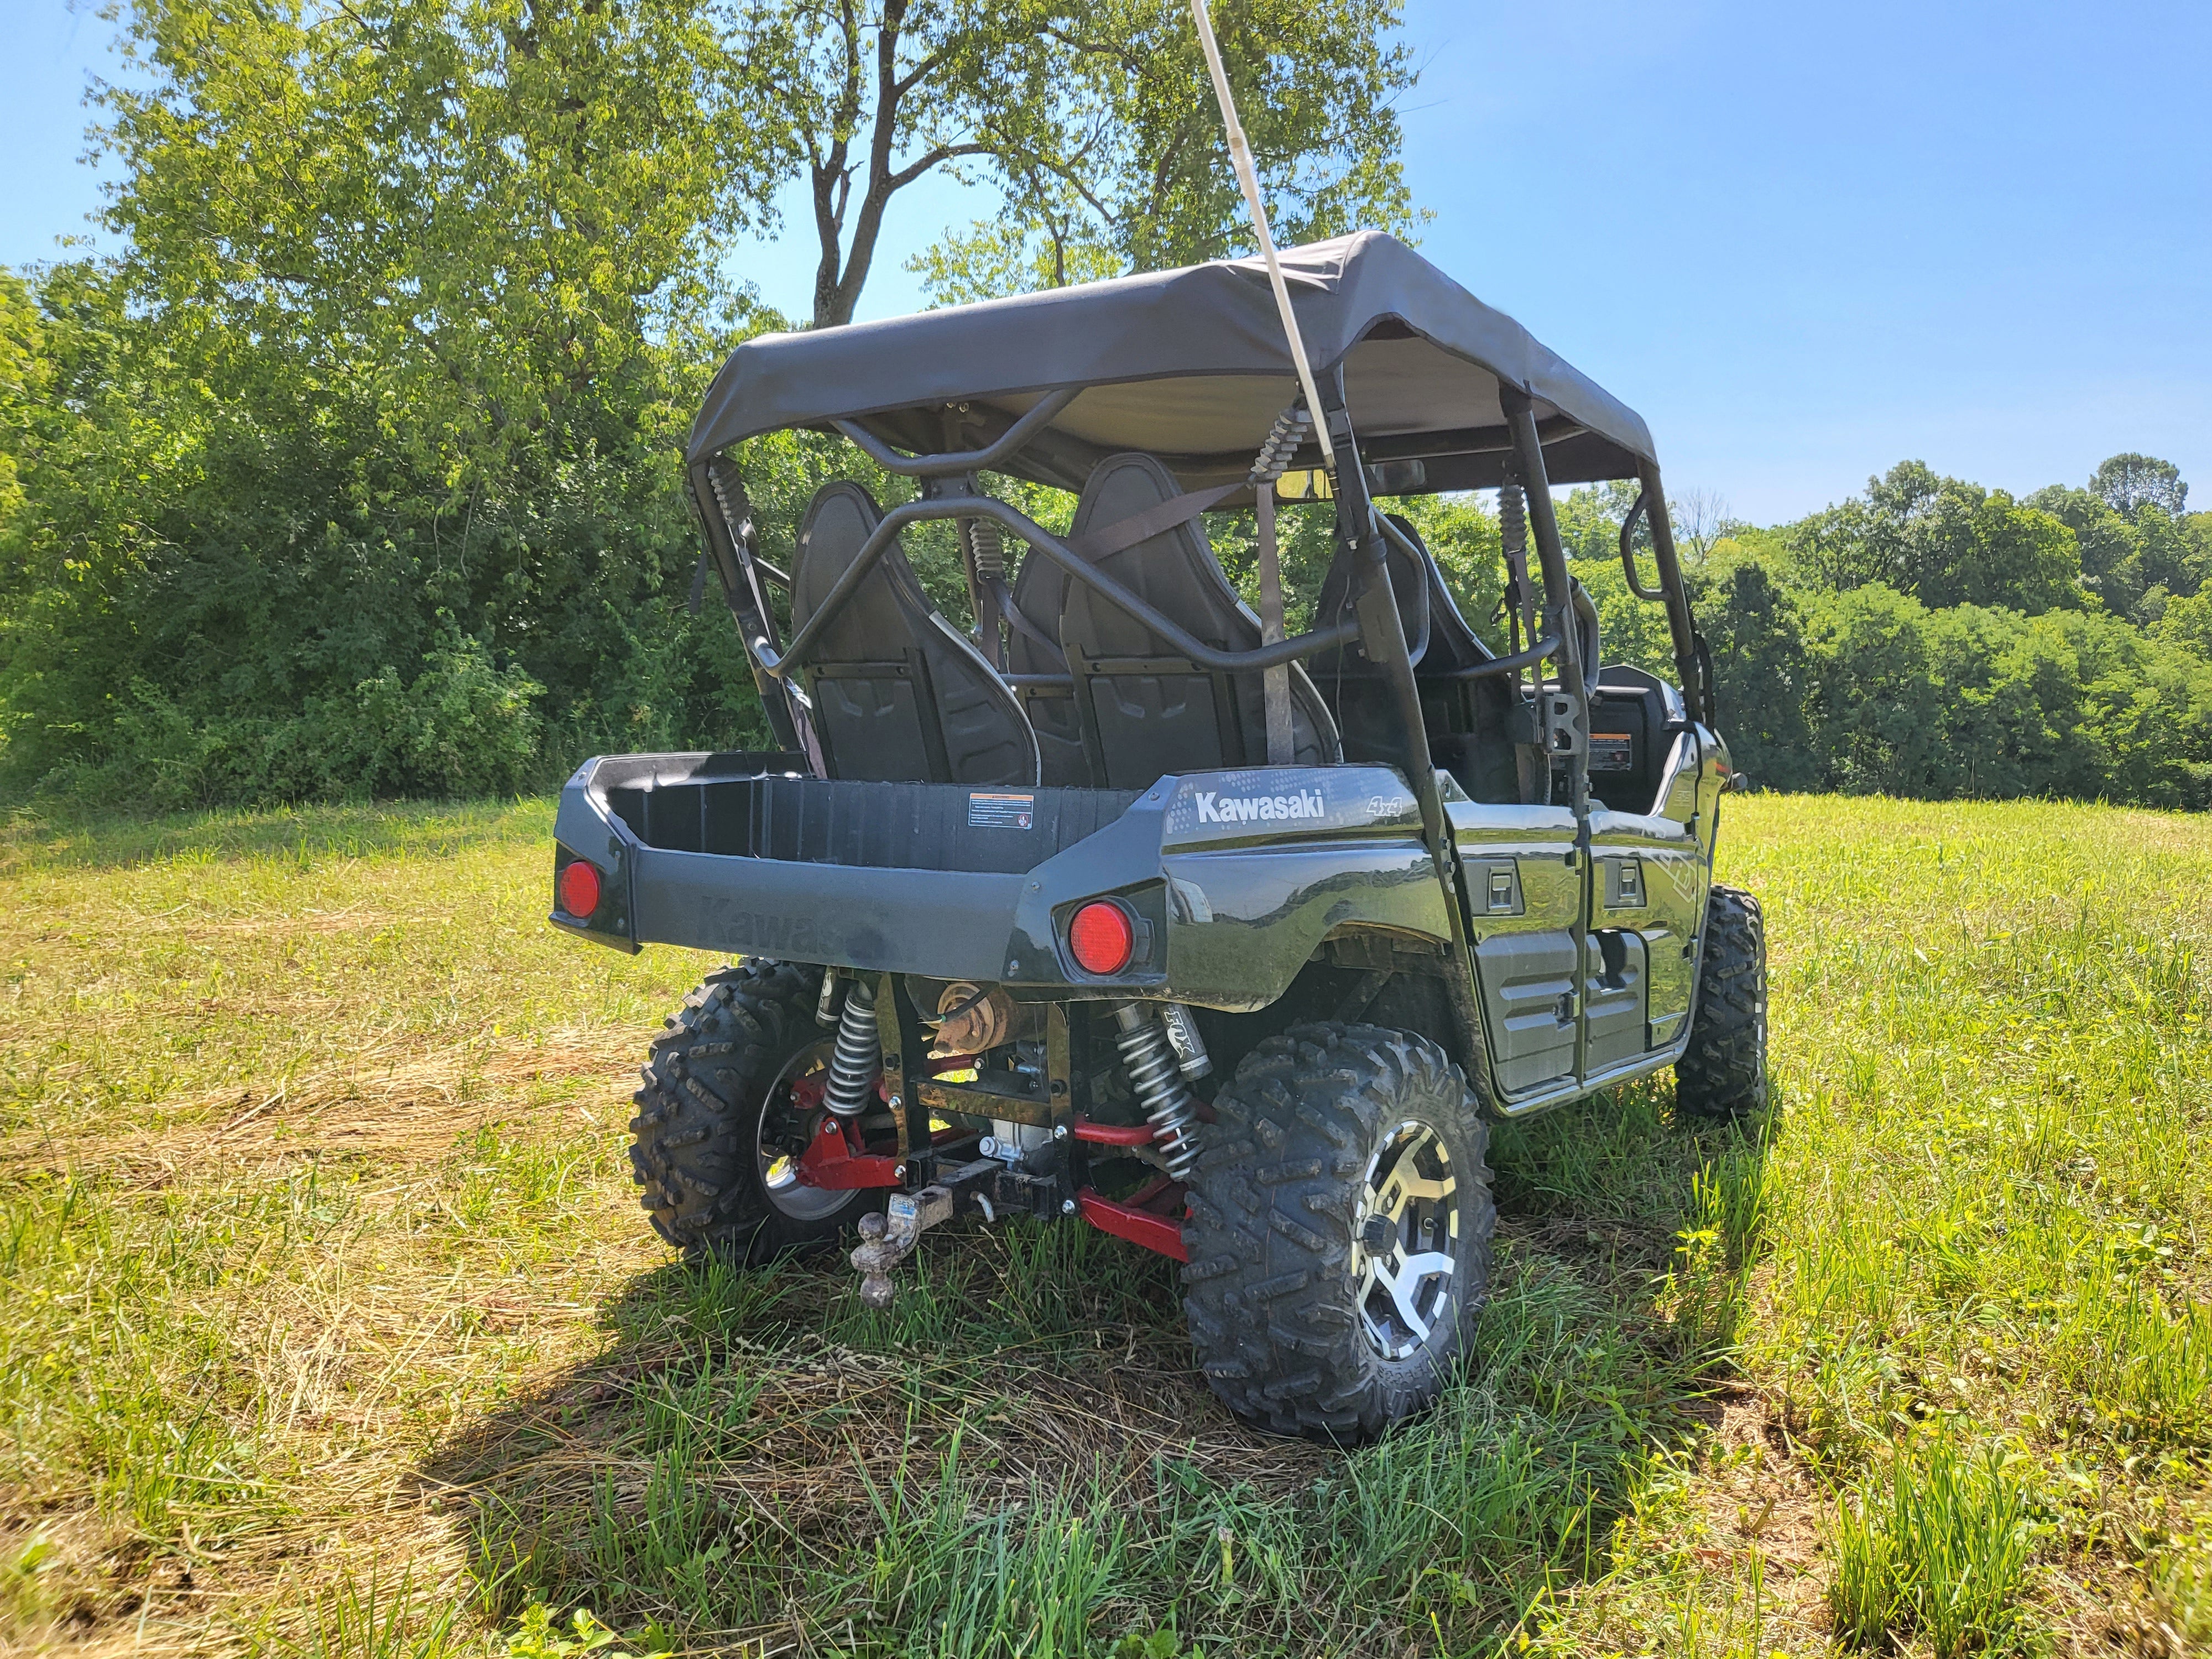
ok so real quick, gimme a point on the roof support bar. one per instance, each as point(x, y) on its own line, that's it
point(1044, 542)
point(1383, 633)
point(1550, 557)
point(718, 499)
point(1040, 415)
point(1690, 659)
point(1559, 620)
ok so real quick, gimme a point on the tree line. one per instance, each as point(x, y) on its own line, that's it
point(1932, 638)
point(352, 470)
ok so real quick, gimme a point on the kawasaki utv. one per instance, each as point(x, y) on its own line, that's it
point(1126, 909)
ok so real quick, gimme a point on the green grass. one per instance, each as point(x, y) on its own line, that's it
point(328, 1324)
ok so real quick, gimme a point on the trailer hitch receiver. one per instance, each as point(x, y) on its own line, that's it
point(889, 1238)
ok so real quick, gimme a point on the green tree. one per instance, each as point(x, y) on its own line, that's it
point(1944, 541)
point(2105, 540)
point(2187, 622)
point(2128, 483)
point(1761, 672)
point(1092, 120)
point(2139, 542)
point(415, 302)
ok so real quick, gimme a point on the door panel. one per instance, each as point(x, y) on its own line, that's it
point(1613, 999)
point(1527, 991)
point(1524, 898)
point(1676, 879)
point(1650, 880)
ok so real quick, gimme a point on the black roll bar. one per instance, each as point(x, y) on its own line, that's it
point(1361, 531)
point(1519, 660)
point(1558, 594)
point(966, 461)
point(1693, 661)
point(1628, 550)
point(717, 494)
point(1040, 540)
point(1417, 646)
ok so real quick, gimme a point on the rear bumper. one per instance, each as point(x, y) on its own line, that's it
point(1236, 877)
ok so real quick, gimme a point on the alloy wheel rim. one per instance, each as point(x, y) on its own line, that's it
point(779, 1169)
point(1405, 1240)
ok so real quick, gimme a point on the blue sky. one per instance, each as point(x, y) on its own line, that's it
point(1804, 241)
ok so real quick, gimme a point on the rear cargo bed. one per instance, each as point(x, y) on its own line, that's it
point(916, 826)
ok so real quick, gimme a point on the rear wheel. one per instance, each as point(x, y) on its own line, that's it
point(1339, 1230)
point(1722, 1072)
point(730, 1095)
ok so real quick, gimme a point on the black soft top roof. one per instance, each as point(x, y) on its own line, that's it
point(1191, 366)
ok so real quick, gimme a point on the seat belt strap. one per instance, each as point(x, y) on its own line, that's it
point(1275, 683)
point(1094, 545)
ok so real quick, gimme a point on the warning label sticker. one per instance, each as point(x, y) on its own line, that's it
point(1000, 812)
point(1612, 751)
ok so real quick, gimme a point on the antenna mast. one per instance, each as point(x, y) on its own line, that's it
point(1240, 155)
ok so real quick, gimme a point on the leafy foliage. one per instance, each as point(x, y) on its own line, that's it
point(362, 450)
point(1092, 122)
point(355, 471)
point(1933, 639)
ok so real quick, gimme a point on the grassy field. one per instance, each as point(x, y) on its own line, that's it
point(328, 1323)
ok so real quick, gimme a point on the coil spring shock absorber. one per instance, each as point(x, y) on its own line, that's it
point(986, 541)
point(1513, 533)
point(858, 1055)
point(1159, 1081)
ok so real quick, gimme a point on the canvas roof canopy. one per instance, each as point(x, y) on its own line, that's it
point(1191, 366)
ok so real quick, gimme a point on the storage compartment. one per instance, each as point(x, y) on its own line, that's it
point(909, 826)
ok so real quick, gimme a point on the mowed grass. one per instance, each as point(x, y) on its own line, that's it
point(329, 1325)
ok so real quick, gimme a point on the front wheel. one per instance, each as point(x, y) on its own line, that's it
point(724, 1109)
point(1339, 1231)
point(1722, 1072)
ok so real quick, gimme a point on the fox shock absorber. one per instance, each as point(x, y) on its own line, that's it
point(859, 1055)
point(1156, 1075)
point(987, 542)
point(1513, 534)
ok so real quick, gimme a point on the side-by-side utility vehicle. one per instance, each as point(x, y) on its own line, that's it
point(1123, 909)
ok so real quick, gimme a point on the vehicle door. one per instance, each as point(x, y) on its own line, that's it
point(1524, 896)
point(1647, 896)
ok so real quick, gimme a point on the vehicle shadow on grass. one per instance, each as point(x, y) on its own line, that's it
point(1019, 1456)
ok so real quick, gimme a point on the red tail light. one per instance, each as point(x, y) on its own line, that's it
point(579, 889)
point(1100, 937)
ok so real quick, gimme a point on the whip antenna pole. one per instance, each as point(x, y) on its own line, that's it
point(1240, 155)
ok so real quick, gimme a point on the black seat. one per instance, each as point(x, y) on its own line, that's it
point(1471, 724)
point(900, 695)
point(1040, 590)
point(1143, 710)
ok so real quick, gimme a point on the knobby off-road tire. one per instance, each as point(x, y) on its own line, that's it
point(1722, 1072)
point(1342, 1157)
point(725, 1062)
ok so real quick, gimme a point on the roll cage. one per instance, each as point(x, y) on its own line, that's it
point(950, 490)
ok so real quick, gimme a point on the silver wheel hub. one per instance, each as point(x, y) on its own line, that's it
point(1405, 1240)
point(779, 1169)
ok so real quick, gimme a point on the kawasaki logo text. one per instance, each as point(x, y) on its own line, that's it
point(1244, 808)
